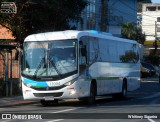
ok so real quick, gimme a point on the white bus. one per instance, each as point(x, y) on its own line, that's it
point(78, 64)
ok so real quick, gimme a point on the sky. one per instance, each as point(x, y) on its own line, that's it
point(155, 1)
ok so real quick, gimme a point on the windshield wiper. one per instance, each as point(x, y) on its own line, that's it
point(39, 66)
point(54, 65)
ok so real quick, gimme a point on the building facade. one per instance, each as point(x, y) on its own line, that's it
point(107, 15)
point(6, 38)
point(150, 15)
point(150, 25)
point(121, 11)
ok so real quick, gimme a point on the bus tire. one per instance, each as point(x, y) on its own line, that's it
point(48, 103)
point(123, 94)
point(92, 97)
point(45, 103)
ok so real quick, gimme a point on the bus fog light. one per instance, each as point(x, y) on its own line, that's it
point(72, 91)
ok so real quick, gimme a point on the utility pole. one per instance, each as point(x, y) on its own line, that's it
point(155, 43)
point(104, 17)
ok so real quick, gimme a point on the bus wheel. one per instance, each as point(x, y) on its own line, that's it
point(45, 103)
point(123, 94)
point(92, 97)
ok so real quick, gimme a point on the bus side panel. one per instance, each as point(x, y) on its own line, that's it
point(110, 76)
point(133, 83)
point(102, 72)
point(130, 71)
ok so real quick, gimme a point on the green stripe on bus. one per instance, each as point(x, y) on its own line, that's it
point(102, 78)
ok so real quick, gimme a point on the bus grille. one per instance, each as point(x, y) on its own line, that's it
point(58, 94)
point(49, 88)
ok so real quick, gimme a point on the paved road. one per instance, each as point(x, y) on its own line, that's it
point(142, 103)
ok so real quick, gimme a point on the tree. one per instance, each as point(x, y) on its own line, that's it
point(34, 16)
point(129, 56)
point(130, 31)
point(140, 36)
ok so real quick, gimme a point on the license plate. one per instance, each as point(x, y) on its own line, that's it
point(49, 98)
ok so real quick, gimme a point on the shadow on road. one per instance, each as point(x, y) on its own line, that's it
point(137, 97)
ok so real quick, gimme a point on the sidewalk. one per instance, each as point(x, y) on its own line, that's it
point(12, 101)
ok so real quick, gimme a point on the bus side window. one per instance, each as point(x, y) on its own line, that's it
point(83, 52)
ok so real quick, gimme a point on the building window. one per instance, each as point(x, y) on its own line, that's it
point(158, 29)
point(158, 19)
point(158, 24)
point(151, 8)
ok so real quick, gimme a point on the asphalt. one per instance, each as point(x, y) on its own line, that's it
point(18, 100)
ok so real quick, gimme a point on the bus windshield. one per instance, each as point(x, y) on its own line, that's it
point(50, 59)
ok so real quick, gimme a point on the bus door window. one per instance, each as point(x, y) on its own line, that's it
point(82, 56)
point(83, 53)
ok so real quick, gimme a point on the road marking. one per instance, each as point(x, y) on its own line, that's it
point(56, 120)
point(151, 120)
point(64, 110)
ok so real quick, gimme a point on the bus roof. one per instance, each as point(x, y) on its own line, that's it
point(73, 34)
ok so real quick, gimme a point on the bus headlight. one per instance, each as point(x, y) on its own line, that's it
point(71, 82)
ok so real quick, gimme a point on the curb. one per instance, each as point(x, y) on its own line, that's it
point(16, 103)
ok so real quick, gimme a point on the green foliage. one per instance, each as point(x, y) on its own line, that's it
point(130, 31)
point(37, 16)
point(140, 37)
point(130, 56)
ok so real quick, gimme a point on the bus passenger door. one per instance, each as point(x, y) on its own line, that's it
point(82, 57)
